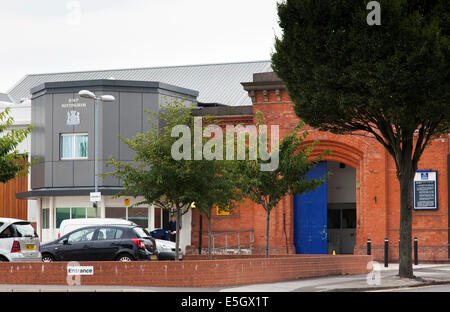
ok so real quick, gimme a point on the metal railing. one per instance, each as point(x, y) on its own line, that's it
point(230, 238)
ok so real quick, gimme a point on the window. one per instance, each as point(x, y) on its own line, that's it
point(109, 233)
point(334, 218)
point(141, 232)
point(348, 218)
point(157, 218)
point(138, 215)
point(74, 145)
point(72, 213)
point(117, 213)
point(45, 218)
point(78, 213)
point(91, 212)
point(8, 232)
point(81, 236)
point(24, 229)
point(62, 214)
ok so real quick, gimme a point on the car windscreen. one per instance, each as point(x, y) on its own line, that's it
point(25, 229)
point(142, 233)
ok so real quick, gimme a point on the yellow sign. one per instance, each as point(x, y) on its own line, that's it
point(223, 211)
point(127, 202)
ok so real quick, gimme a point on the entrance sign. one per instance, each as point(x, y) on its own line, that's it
point(80, 270)
point(73, 116)
point(425, 190)
point(96, 196)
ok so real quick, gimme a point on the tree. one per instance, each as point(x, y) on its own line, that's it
point(155, 174)
point(267, 188)
point(388, 81)
point(169, 181)
point(217, 189)
point(215, 184)
point(12, 163)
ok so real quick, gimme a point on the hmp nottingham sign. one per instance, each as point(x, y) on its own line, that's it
point(73, 116)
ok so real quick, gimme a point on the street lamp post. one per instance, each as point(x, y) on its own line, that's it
point(104, 98)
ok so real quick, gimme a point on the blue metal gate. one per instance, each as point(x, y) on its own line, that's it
point(310, 217)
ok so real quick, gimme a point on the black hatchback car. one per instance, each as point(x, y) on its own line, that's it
point(102, 243)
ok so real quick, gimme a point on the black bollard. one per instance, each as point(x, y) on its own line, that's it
point(369, 247)
point(416, 252)
point(386, 252)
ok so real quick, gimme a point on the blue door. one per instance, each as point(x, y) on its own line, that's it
point(310, 217)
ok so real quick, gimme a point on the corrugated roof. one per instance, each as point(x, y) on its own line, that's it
point(5, 98)
point(216, 83)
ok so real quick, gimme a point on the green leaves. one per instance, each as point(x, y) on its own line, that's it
point(344, 75)
point(12, 163)
point(390, 81)
point(269, 187)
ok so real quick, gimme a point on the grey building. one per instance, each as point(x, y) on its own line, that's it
point(62, 147)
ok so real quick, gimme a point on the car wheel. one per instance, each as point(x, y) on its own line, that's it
point(124, 258)
point(47, 258)
point(3, 259)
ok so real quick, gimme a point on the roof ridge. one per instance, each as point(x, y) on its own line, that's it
point(142, 68)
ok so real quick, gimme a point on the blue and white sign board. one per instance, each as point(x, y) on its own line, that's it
point(425, 190)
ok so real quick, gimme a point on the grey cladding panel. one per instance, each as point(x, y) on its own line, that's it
point(48, 171)
point(109, 124)
point(130, 120)
point(38, 134)
point(83, 173)
point(63, 173)
point(150, 102)
point(108, 180)
point(37, 175)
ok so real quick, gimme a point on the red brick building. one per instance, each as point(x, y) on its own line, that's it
point(362, 195)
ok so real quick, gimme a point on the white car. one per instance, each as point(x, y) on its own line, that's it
point(70, 225)
point(18, 241)
point(166, 250)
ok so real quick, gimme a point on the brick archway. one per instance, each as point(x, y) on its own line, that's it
point(346, 149)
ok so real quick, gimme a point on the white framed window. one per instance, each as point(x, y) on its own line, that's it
point(74, 145)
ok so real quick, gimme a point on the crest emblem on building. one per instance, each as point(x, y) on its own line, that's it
point(73, 118)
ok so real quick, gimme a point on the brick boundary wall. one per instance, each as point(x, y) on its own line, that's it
point(190, 273)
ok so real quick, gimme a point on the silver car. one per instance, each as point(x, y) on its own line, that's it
point(18, 241)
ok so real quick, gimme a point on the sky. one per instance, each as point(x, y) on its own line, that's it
point(46, 36)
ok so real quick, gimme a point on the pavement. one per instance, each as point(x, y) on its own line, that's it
point(380, 279)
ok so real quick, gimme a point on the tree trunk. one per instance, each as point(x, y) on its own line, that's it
point(267, 232)
point(200, 234)
point(284, 230)
point(209, 235)
point(405, 250)
point(177, 235)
